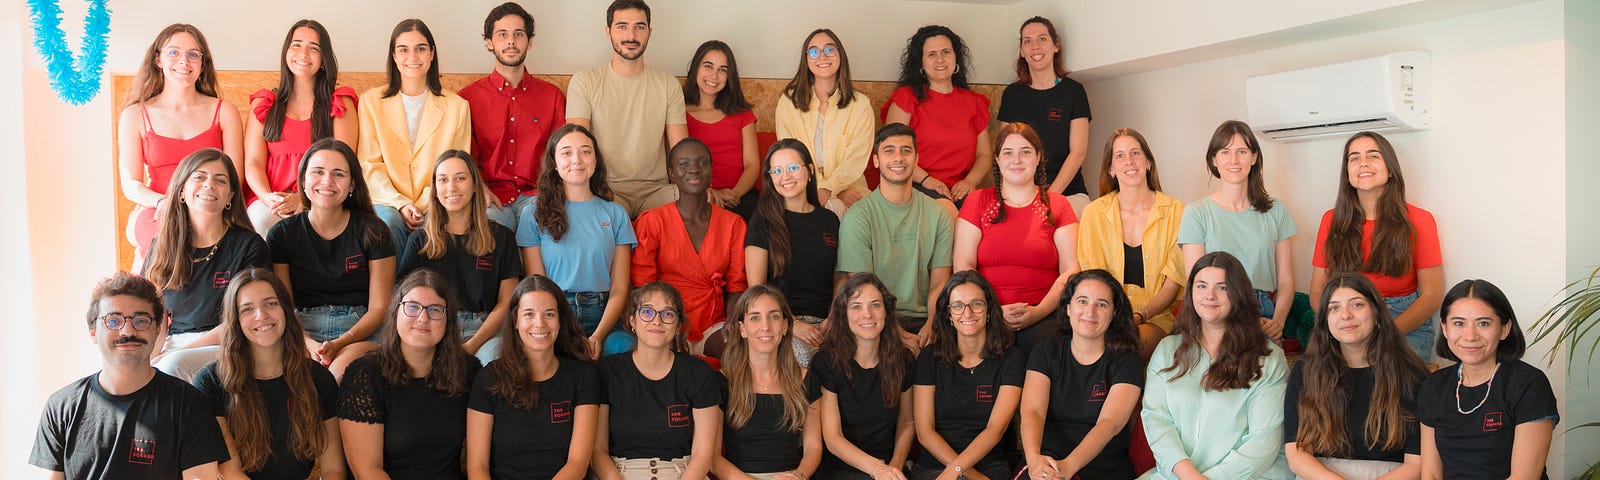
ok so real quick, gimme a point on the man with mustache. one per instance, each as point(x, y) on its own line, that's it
point(128, 420)
point(635, 112)
point(903, 236)
point(512, 115)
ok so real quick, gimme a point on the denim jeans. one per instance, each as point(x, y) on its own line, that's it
point(1268, 304)
point(396, 223)
point(509, 215)
point(328, 322)
point(470, 323)
point(1420, 339)
point(590, 307)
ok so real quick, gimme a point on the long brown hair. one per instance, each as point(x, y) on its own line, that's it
point(736, 365)
point(1257, 192)
point(247, 410)
point(513, 375)
point(149, 81)
point(1108, 181)
point(769, 206)
point(550, 207)
point(731, 99)
point(322, 91)
point(997, 336)
point(1392, 234)
point(1244, 345)
point(393, 71)
point(1024, 76)
point(170, 257)
point(798, 91)
point(453, 367)
point(480, 237)
point(894, 360)
point(1397, 374)
point(1039, 181)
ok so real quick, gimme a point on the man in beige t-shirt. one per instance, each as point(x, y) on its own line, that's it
point(634, 112)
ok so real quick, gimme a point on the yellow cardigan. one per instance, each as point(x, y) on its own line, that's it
point(398, 173)
point(1100, 244)
point(847, 134)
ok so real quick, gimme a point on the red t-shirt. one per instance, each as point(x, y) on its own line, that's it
point(725, 139)
point(1018, 256)
point(947, 126)
point(1424, 251)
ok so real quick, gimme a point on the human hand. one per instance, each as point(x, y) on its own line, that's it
point(808, 333)
point(936, 185)
point(1273, 328)
point(1018, 315)
point(850, 197)
point(885, 472)
point(962, 188)
point(1043, 468)
point(329, 350)
point(288, 204)
point(412, 215)
point(596, 342)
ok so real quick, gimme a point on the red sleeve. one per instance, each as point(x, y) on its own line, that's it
point(336, 107)
point(737, 282)
point(901, 97)
point(972, 209)
point(1061, 209)
point(260, 109)
point(1425, 246)
point(747, 117)
point(1319, 257)
point(980, 114)
point(648, 231)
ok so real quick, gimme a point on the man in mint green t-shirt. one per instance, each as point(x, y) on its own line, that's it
point(899, 234)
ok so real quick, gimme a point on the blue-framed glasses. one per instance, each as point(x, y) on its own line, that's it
point(815, 53)
point(778, 170)
point(666, 316)
point(191, 55)
point(115, 321)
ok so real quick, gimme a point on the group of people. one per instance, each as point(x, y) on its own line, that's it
point(637, 291)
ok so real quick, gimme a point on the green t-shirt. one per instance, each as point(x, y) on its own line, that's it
point(1249, 235)
point(899, 243)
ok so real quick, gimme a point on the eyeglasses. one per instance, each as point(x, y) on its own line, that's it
point(975, 306)
point(191, 55)
point(666, 316)
point(115, 321)
point(414, 309)
point(778, 170)
point(815, 53)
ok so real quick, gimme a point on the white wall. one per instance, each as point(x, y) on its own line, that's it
point(1490, 170)
point(1583, 225)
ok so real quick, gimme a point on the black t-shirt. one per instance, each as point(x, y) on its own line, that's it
point(476, 279)
point(284, 464)
point(1478, 444)
point(814, 249)
point(1077, 393)
point(198, 306)
point(159, 431)
point(327, 272)
point(1050, 112)
point(1355, 417)
point(422, 430)
point(534, 443)
point(1133, 265)
point(655, 418)
point(868, 421)
point(764, 444)
point(963, 398)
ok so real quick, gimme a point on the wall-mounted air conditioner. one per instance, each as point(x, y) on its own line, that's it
point(1388, 93)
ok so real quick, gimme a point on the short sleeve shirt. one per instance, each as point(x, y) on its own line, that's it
point(1478, 444)
point(158, 431)
point(1424, 250)
point(534, 443)
point(628, 116)
point(1077, 394)
point(1050, 112)
point(964, 398)
point(197, 307)
point(423, 430)
point(1249, 235)
point(813, 252)
point(655, 418)
point(865, 413)
point(476, 278)
point(285, 464)
point(328, 271)
point(581, 260)
point(1356, 410)
point(947, 126)
point(1019, 255)
point(902, 244)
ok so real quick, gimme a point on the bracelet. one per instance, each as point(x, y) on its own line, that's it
point(924, 179)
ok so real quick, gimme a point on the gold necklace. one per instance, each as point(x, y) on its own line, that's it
point(208, 254)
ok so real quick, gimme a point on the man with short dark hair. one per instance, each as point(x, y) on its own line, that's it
point(512, 115)
point(634, 112)
point(128, 420)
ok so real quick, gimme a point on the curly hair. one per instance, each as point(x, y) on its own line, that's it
point(911, 74)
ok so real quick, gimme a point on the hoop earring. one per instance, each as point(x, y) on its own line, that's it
point(958, 69)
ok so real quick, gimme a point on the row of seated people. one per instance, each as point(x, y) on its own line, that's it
point(1217, 400)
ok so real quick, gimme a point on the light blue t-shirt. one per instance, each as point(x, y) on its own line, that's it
point(1249, 235)
point(581, 261)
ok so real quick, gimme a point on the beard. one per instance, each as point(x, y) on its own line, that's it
point(517, 61)
point(617, 47)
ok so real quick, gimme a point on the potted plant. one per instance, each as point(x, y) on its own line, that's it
point(1573, 322)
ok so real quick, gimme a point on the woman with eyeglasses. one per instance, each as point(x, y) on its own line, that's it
point(719, 115)
point(772, 430)
point(478, 256)
point(951, 120)
point(205, 239)
point(533, 412)
point(660, 414)
point(403, 408)
point(793, 242)
point(693, 245)
point(174, 108)
point(862, 376)
point(821, 108)
point(336, 257)
point(275, 405)
point(307, 106)
point(405, 125)
point(967, 386)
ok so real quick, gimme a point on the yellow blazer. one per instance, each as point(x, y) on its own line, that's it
point(1100, 245)
point(397, 172)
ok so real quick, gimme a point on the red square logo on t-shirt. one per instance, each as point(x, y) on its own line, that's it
point(142, 451)
point(220, 279)
point(1054, 115)
point(354, 262)
point(485, 263)
point(1493, 421)
point(1097, 392)
point(985, 394)
point(679, 416)
point(561, 412)
point(830, 240)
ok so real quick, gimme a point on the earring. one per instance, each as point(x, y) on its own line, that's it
point(180, 200)
point(228, 206)
point(958, 69)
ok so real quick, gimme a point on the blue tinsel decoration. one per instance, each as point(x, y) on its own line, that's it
point(75, 81)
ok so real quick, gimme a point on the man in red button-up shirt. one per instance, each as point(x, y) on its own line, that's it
point(512, 115)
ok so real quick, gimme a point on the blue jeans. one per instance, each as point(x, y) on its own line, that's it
point(1420, 339)
point(328, 322)
point(509, 215)
point(396, 223)
point(470, 323)
point(1268, 303)
point(590, 307)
